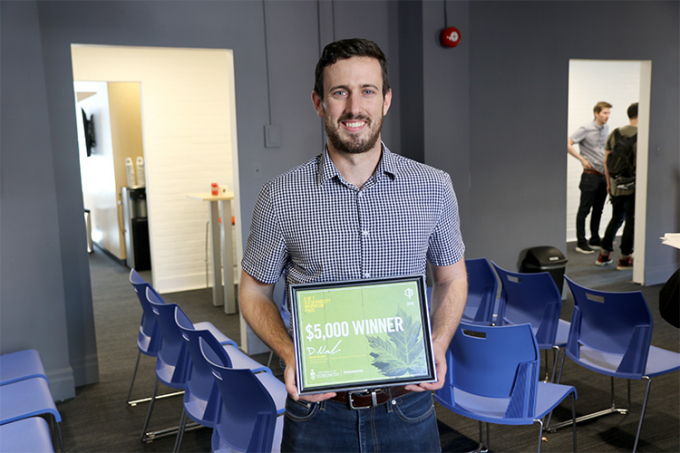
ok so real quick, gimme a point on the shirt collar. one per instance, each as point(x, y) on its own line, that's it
point(328, 170)
point(597, 125)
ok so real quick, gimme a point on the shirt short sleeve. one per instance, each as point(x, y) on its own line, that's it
point(266, 253)
point(579, 135)
point(446, 245)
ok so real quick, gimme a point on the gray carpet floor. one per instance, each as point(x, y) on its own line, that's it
point(98, 419)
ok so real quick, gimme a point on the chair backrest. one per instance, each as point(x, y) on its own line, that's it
point(149, 332)
point(496, 362)
point(200, 380)
point(247, 418)
point(172, 353)
point(530, 298)
point(482, 288)
point(618, 323)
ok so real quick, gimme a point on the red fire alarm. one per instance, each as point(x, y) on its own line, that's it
point(450, 37)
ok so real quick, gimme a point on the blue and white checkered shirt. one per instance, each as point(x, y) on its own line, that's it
point(318, 227)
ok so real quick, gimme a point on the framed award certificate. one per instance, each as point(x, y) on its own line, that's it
point(361, 334)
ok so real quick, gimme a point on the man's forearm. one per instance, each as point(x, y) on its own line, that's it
point(446, 315)
point(449, 295)
point(263, 316)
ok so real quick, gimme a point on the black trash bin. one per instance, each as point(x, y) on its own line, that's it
point(545, 259)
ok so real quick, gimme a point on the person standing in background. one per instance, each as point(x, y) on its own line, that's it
point(591, 138)
point(620, 154)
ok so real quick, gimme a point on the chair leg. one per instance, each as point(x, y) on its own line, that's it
point(145, 438)
point(180, 431)
point(540, 434)
point(55, 426)
point(269, 361)
point(134, 375)
point(642, 415)
point(556, 356)
point(133, 403)
point(573, 417)
point(151, 436)
point(559, 378)
point(611, 410)
point(481, 448)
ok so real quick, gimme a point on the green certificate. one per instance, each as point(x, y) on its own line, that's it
point(361, 334)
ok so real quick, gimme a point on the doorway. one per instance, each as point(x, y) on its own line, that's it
point(188, 117)
point(619, 83)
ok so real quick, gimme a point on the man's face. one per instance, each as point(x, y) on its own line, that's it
point(353, 106)
point(603, 116)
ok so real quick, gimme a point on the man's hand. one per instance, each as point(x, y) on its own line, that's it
point(291, 387)
point(584, 162)
point(440, 363)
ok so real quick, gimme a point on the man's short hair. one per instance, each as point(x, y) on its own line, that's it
point(632, 110)
point(348, 48)
point(601, 106)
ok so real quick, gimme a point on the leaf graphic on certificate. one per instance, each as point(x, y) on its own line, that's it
point(399, 353)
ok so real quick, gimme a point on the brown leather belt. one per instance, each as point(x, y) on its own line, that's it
point(369, 398)
point(593, 172)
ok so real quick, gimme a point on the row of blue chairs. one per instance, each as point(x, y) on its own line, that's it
point(610, 333)
point(223, 388)
point(25, 397)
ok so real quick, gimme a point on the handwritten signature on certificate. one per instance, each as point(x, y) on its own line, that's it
point(324, 350)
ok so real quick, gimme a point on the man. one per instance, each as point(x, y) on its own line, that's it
point(356, 211)
point(590, 139)
point(622, 192)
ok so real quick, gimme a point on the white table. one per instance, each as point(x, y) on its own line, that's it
point(221, 239)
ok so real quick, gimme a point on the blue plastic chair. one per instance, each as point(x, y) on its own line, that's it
point(172, 361)
point(28, 398)
point(20, 365)
point(611, 334)
point(493, 377)
point(534, 299)
point(201, 396)
point(149, 338)
point(29, 435)
point(251, 415)
point(482, 289)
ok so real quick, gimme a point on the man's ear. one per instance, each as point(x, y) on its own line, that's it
point(387, 102)
point(318, 104)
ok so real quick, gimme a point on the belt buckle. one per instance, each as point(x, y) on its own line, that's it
point(374, 399)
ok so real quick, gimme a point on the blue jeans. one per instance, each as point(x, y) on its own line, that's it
point(405, 424)
point(593, 195)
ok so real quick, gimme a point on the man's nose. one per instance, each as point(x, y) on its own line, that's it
point(353, 105)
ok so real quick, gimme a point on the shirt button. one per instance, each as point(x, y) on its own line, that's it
point(365, 233)
point(361, 194)
point(367, 274)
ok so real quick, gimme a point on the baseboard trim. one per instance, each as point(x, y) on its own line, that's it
point(86, 370)
point(62, 384)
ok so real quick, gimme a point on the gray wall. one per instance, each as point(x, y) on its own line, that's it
point(493, 115)
point(519, 61)
point(32, 288)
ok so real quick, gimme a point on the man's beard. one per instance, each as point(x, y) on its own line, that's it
point(352, 144)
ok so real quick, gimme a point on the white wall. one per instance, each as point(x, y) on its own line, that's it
point(187, 144)
point(591, 81)
point(97, 171)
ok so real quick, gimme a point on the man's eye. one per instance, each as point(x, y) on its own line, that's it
point(339, 93)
